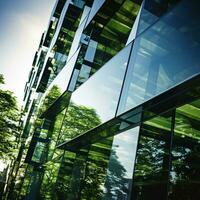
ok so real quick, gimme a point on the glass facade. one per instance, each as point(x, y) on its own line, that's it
point(103, 96)
point(163, 56)
point(120, 168)
point(185, 171)
point(121, 120)
point(152, 161)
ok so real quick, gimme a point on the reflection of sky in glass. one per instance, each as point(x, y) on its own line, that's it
point(125, 145)
point(62, 79)
point(121, 165)
point(163, 56)
point(135, 26)
point(101, 91)
point(95, 7)
point(77, 36)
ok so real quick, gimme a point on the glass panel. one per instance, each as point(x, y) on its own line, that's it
point(78, 119)
point(59, 85)
point(121, 164)
point(84, 73)
point(95, 170)
point(83, 112)
point(24, 182)
point(152, 160)
point(77, 37)
point(50, 176)
point(163, 56)
point(185, 174)
point(62, 187)
point(104, 87)
point(90, 53)
point(152, 11)
point(95, 7)
point(38, 152)
point(110, 31)
point(86, 12)
point(77, 174)
point(54, 134)
point(134, 29)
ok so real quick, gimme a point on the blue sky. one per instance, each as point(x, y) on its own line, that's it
point(21, 25)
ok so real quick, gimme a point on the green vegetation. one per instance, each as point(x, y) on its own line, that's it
point(9, 123)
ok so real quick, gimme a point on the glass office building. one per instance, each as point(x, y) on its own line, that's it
point(112, 104)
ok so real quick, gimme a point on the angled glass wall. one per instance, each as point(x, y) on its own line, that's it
point(151, 12)
point(120, 169)
point(105, 35)
point(163, 56)
point(101, 91)
point(59, 85)
point(185, 170)
point(152, 161)
point(96, 99)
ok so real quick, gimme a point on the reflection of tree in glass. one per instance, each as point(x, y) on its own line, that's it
point(75, 121)
point(116, 183)
point(49, 179)
point(150, 159)
point(103, 183)
point(62, 186)
point(152, 162)
point(78, 119)
point(185, 174)
point(51, 96)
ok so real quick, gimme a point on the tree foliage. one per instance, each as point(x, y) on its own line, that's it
point(51, 96)
point(9, 117)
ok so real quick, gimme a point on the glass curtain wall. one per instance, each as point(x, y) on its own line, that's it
point(165, 55)
point(168, 158)
point(105, 36)
point(151, 173)
point(185, 171)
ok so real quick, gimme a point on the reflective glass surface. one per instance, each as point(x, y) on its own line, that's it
point(53, 134)
point(78, 119)
point(95, 169)
point(185, 172)
point(134, 29)
point(121, 163)
point(77, 37)
point(49, 179)
point(152, 160)
point(63, 179)
point(101, 91)
point(95, 7)
point(60, 83)
point(77, 175)
point(109, 31)
point(152, 10)
point(163, 56)
point(39, 149)
point(147, 17)
point(60, 21)
point(86, 11)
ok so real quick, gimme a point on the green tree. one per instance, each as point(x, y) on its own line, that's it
point(49, 99)
point(78, 119)
point(9, 126)
point(67, 124)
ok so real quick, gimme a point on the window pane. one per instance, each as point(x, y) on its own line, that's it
point(152, 161)
point(185, 174)
point(163, 56)
point(104, 87)
point(121, 164)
